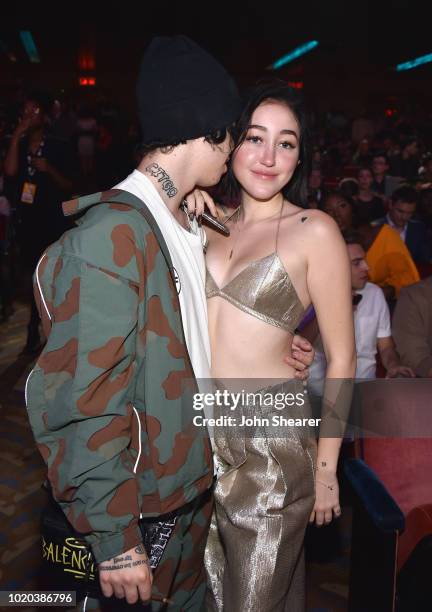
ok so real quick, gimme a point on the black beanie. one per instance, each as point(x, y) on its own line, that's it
point(183, 92)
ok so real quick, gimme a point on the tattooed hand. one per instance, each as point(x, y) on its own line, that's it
point(127, 576)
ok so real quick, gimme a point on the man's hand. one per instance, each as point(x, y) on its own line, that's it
point(127, 576)
point(303, 354)
point(400, 372)
point(197, 200)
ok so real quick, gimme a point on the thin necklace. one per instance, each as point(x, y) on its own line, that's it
point(238, 230)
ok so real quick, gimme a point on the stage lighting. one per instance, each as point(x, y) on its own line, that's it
point(294, 54)
point(418, 61)
point(29, 46)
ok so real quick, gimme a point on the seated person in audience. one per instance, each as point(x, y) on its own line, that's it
point(362, 155)
point(412, 327)
point(348, 187)
point(383, 184)
point(389, 144)
point(315, 186)
point(402, 208)
point(425, 212)
point(370, 205)
point(407, 162)
point(390, 263)
point(425, 172)
point(371, 322)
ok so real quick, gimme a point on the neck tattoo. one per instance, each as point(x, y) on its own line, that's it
point(164, 178)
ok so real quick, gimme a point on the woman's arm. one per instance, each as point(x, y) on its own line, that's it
point(329, 285)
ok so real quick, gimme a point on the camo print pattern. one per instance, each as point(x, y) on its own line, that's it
point(180, 577)
point(106, 400)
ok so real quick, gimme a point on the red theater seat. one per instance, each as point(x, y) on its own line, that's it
point(391, 478)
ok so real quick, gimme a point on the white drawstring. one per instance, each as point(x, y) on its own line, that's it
point(39, 286)
point(25, 389)
point(139, 443)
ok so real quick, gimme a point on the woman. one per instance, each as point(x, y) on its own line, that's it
point(370, 206)
point(390, 263)
point(278, 260)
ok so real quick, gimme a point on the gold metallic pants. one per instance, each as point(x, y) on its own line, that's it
point(263, 499)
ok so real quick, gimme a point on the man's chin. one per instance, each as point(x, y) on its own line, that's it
point(211, 182)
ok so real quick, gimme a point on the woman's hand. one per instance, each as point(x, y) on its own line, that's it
point(22, 127)
point(326, 498)
point(197, 200)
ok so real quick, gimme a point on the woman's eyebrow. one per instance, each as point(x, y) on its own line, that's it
point(261, 127)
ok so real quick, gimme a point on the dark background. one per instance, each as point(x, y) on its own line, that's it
point(353, 68)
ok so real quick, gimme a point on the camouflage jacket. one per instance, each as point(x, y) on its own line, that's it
point(105, 400)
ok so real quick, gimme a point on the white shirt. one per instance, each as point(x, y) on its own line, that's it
point(187, 254)
point(371, 321)
point(402, 233)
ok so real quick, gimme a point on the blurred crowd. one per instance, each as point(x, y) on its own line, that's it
point(51, 150)
point(372, 173)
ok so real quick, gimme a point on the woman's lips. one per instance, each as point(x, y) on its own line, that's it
point(267, 176)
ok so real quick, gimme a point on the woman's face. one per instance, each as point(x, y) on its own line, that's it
point(337, 207)
point(268, 157)
point(365, 179)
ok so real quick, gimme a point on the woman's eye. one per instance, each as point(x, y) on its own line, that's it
point(254, 139)
point(287, 145)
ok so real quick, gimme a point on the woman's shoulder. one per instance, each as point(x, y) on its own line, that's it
point(313, 221)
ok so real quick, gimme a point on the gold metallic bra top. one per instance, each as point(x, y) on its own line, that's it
point(264, 290)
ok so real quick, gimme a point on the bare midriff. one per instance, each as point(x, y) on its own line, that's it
point(244, 346)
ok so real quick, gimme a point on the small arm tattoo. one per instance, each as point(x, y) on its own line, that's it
point(140, 550)
point(119, 566)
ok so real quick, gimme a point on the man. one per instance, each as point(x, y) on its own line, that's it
point(371, 323)
point(41, 167)
point(122, 299)
point(383, 184)
point(402, 208)
point(371, 319)
point(412, 327)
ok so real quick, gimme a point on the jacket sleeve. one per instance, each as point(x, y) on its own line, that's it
point(86, 422)
point(410, 332)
